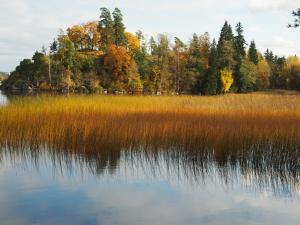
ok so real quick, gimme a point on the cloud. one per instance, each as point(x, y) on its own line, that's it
point(282, 46)
point(27, 25)
point(273, 5)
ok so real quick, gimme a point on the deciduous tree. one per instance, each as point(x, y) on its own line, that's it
point(226, 79)
point(264, 74)
point(117, 63)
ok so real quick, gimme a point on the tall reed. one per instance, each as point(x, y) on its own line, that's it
point(258, 134)
point(99, 123)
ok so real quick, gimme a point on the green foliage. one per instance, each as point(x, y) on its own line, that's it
point(277, 79)
point(106, 28)
point(264, 73)
point(253, 54)
point(212, 82)
point(195, 63)
point(119, 28)
point(249, 76)
point(239, 42)
point(226, 55)
point(134, 82)
point(96, 55)
point(240, 53)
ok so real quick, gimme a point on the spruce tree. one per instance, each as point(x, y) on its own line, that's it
point(212, 76)
point(119, 28)
point(239, 47)
point(226, 34)
point(240, 41)
point(253, 54)
point(269, 56)
point(194, 64)
point(225, 48)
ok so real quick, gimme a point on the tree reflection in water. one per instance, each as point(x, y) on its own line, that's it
point(264, 166)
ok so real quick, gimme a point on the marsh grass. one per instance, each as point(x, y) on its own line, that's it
point(256, 134)
point(101, 123)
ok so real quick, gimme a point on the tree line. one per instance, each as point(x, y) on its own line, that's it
point(102, 56)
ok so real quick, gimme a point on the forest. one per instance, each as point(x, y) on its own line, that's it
point(102, 57)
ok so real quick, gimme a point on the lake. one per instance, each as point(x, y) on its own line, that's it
point(3, 99)
point(148, 186)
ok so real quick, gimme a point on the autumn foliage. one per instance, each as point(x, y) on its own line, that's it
point(106, 53)
point(227, 79)
point(117, 62)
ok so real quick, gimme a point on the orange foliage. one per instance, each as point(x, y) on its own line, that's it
point(117, 62)
point(85, 36)
point(76, 35)
point(92, 35)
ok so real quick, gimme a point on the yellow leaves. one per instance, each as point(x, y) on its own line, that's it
point(91, 53)
point(263, 66)
point(264, 72)
point(156, 71)
point(226, 79)
point(91, 33)
point(291, 63)
point(85, 36)
point(291, 71)
point(76, 34)
point(44, 86)
point(133, 41)
point(134, 80)
point(66, 81)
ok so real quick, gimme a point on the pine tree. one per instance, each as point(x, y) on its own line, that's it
point(253, 54)
point(119, 28)
point(106, 28)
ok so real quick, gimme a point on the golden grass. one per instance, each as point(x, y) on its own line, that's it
point(256, 135)
point(104, 123)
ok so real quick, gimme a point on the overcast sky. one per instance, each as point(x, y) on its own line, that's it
point(27, 25)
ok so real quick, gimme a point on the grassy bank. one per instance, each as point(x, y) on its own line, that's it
point(100, 123)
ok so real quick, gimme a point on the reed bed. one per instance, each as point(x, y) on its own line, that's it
point(257, 135)
point(100, 123)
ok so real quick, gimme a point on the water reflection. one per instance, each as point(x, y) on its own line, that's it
point(3, 99)
point(261, 169)
point(149, 186)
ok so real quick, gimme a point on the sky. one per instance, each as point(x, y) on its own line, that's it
point(27, 25)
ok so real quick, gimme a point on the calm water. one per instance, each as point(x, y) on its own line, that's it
point(3, 99)
point(148, 187)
